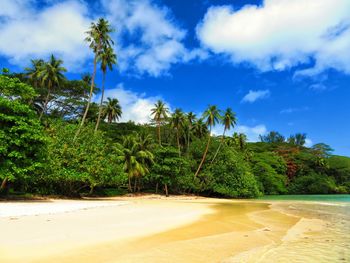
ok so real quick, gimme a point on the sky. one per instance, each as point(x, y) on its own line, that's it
point(281, 65)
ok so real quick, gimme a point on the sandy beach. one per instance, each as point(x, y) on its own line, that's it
point(158, 229)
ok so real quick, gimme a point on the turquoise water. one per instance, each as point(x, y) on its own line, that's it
point(325, 198)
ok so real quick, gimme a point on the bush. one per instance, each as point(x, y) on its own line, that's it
point(230, 176)
point(21, 135)
point(312, 184)
point(85, 164)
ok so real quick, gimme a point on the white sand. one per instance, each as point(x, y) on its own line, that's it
point(16, 209)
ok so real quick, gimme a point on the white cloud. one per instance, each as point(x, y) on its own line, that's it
point(308, 143)
point(148, 40)
point(280, 34)
point(318, 87)
point(135, 106)
point(252, 132)
point(159, 39)
point(254, 95)
point(293, 110)
point(27, 32)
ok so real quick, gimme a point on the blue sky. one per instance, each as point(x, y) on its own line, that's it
point(280, 65)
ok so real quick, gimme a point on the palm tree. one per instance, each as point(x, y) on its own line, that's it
point(98, 38)
point(239, 140)
point(107, 58)
point(177, 121)
point(191, 118)
point(299, 139)
point(51, 75)
point(160, 112)
point(211, 116)
point(136, 161)
point(111, 110)
point(200, 128)
point(229, 121)
point(33, 72)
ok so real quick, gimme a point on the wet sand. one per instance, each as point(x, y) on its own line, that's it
point(179, 229)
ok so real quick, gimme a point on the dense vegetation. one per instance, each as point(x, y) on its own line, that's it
point(55, 140)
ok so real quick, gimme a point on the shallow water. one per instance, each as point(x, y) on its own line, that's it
point(331, 244)
point(318, 198)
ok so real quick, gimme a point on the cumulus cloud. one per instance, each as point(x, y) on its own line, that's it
point(135, 106)
point(148, 39)
point(27, 32)
point(252, 132)
point(281, 34)
point(159, 38)
point(254, 95)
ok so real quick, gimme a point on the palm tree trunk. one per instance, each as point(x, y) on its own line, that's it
point(89, 100)
point(178, 141)
point(204, 155)
point(3, 184)
point(46, 100)
point(156, 188)
point(166, 190)
point(217, 151)
point(159, 139)
point(188, 138)
point(135, 183)
point(101, 102)
point(129, 186)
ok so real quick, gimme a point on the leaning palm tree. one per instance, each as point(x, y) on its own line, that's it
point(229, 120)
point(99, 38)
point(111, 110)
point(211, 117)
point(177, 121)
point(160, 113)
point(107, 58)
point(51, 75)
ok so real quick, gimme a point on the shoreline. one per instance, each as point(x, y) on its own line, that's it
point(128, 229)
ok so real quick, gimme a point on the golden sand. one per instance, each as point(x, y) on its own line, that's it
point(152, 229)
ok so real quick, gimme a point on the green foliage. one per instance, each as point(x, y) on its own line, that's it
point(230, 176)
point(13, 88)
point(171, 170)
point(87, 163)
point(270, 170)
point(272, 137)
point(313, 183)
point(339, 167)
point(21, 136)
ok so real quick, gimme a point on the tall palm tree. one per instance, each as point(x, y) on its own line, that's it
point(99, 38)
point(211, 117)
point(107, 58)
point(111, 110)
point(191, 118)
point(51, 75)
point(229, 120)
point(160, 113)
point(177, 121)
point(136, 161)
